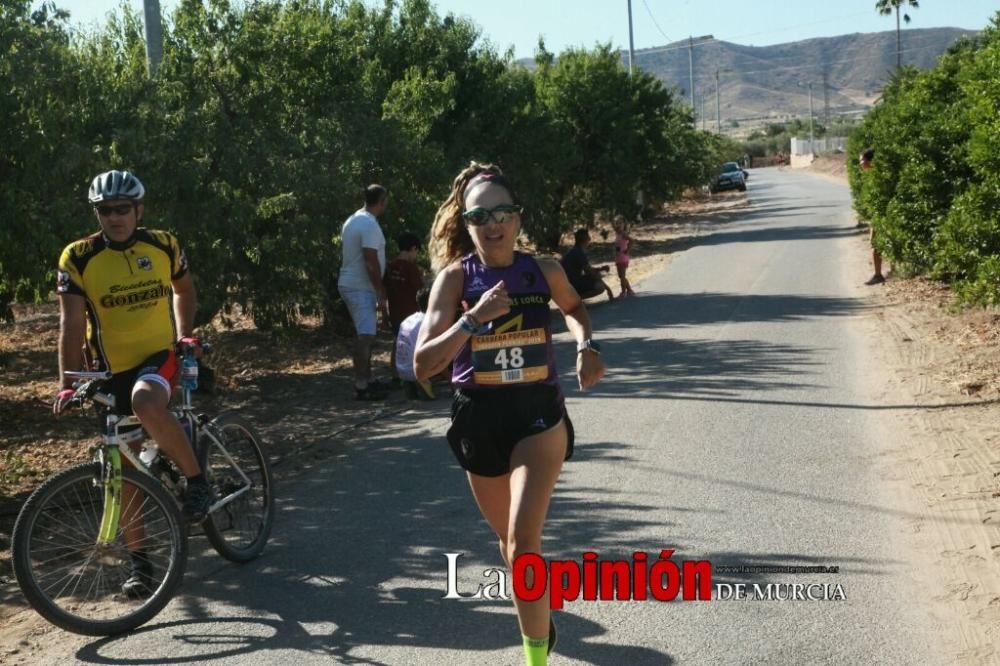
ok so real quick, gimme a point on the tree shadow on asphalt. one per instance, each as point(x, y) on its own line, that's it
point(357, 556)
point(357, 560)
point(352, 536)
point(769, 234)
point(660, 310)
point(675, 368)
point(701, 369)
point(713, 233)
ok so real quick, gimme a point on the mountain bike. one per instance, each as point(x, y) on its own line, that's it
point(77, 536)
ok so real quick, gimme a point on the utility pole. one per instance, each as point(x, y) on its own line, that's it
point(826, 100)
point(718, 107)
point(631, 44)
point(812, 150)
point(691, 70)
point(154, 37)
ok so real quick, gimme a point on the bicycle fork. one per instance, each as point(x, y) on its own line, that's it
point(111, 479)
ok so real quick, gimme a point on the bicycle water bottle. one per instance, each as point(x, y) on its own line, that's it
point(189, 373)
point(149, 454)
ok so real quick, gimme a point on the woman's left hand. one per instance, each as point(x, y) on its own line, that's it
point(589, 368)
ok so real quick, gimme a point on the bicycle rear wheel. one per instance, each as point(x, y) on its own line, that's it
point(233, 460)
point(75, 582)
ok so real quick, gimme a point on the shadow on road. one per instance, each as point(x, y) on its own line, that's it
point(357, 560)
point(673, 309)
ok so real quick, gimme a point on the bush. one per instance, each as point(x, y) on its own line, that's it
point(934, 192)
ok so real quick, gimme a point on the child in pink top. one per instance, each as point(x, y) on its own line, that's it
point(623, 243)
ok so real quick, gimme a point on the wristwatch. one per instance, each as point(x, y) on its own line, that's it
point(590, 344)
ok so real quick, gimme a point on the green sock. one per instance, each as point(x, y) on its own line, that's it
point(536, 651)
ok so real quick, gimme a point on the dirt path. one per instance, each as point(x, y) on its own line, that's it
point(946, 366)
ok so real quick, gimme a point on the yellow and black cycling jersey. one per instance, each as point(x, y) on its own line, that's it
point(128, 292)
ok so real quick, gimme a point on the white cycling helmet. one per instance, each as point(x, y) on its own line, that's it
point(116, 185)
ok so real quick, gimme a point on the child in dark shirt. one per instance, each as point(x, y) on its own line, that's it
point(403, 279)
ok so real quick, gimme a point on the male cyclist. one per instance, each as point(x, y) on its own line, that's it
point(128, 292)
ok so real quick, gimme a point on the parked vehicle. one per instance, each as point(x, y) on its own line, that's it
point(730, 177)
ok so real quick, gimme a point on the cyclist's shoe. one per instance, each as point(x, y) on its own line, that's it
point(369, 393)
point(140, 584)
point(197, 501)
point(552, 636)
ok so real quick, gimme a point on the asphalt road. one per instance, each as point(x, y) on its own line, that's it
point(733, 426)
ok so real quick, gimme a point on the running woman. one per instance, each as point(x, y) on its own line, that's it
point(623, 243)
point(509, 429)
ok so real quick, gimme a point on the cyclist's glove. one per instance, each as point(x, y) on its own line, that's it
point(62, 401)
point(190, 342)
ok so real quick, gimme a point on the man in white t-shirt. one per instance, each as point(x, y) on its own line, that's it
point(360, 283)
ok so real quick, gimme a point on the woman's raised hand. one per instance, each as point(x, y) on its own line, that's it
point(492, 304)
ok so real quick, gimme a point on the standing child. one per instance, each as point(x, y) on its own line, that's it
point(623, 243)
point(403, 279)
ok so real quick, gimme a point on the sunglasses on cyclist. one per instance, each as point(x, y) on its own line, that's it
point(478, 217)
point(120, 209)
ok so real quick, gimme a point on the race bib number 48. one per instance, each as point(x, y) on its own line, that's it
point(510, 358)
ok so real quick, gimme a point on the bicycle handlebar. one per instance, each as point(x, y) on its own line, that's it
point(89, 383)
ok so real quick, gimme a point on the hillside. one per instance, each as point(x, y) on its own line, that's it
point(772, 80)
point(758, 82)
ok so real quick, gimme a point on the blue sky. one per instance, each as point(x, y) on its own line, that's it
point(519, 23)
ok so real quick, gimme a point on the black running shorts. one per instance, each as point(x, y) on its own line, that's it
point(486, 424)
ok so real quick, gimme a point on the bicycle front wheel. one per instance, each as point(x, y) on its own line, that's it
point(233, 460)
point(73, 579)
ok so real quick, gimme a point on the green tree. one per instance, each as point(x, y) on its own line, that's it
point(43, 152)
point(267, 119)
point(934, 192)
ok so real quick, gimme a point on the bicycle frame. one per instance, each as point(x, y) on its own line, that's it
point(111, 452)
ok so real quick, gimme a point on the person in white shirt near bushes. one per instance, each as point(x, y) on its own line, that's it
point(360, 284)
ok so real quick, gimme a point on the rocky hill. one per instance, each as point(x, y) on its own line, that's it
point(770, 81)
point(764, 82)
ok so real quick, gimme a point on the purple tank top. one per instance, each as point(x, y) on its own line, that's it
point(518, 348)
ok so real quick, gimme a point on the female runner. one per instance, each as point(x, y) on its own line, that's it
point(509, 430)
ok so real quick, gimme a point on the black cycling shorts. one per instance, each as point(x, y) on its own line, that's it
point(161, 368)
point(487, 424)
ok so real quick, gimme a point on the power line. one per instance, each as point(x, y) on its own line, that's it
point(653, 19)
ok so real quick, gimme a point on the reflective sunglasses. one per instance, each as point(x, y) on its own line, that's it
point(477, 217)
point(120, 209)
